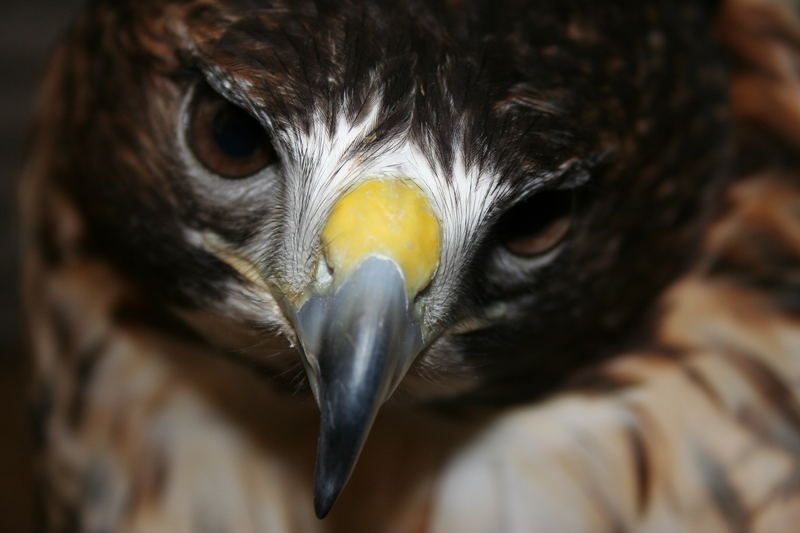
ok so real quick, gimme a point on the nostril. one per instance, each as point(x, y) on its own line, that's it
point(324, 275)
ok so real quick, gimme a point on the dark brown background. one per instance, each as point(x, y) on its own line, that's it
point(28, 29)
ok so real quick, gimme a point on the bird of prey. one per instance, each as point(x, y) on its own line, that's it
point(465, 265)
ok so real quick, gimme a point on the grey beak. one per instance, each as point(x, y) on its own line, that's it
point(358, 343)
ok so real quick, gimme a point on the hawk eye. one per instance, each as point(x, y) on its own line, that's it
point(537, 224)
point(225, 138)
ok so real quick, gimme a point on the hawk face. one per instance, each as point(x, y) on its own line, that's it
point(474, 194)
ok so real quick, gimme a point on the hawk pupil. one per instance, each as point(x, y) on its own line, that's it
point(236, 133)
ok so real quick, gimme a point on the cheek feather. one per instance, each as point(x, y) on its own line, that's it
point(238, 261)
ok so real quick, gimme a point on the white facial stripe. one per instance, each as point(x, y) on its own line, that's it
point(317, 172)
point(323, 166)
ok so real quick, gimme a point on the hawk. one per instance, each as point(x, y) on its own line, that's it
point(499, 266)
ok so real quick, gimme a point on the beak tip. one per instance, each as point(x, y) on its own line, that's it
point(323, 501)
point(327, 486)
point(338, 450)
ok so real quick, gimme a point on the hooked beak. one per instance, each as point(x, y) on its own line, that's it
point(358, 343)
point(360, 334)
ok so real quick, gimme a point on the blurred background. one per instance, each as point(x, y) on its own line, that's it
point(28, 29)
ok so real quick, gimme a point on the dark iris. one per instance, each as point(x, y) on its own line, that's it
point(227, 140)
point(538, 223)
point(237, 133)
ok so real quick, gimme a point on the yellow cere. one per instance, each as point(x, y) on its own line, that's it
point(389, 217)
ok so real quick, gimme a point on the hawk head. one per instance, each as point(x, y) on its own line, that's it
point(466, 200)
